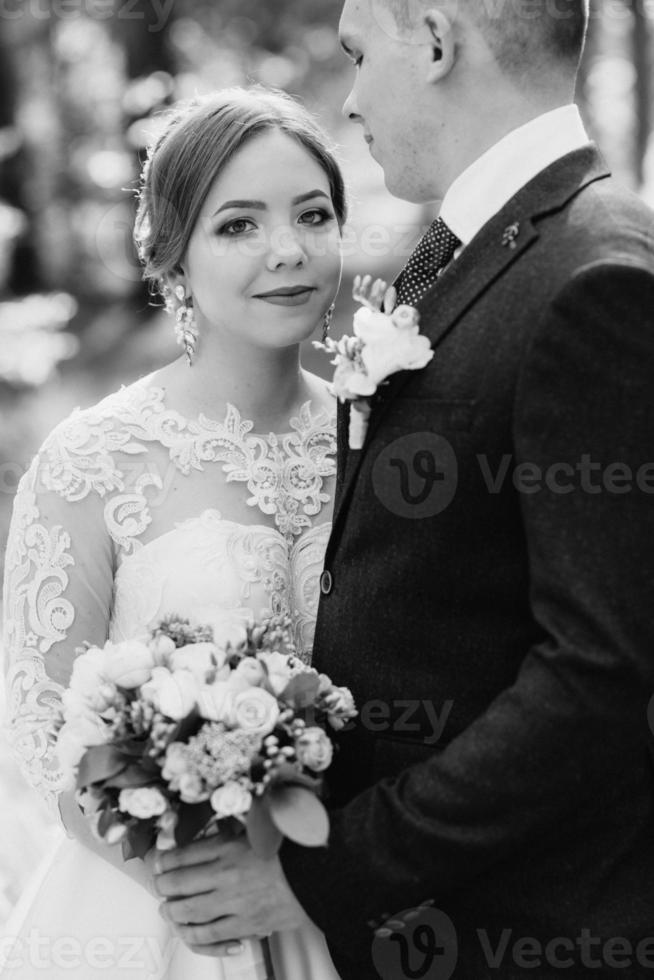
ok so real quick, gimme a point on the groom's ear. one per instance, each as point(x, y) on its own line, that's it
point(443, 47)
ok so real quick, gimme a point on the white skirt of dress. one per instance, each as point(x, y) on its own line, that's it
point(83, 919)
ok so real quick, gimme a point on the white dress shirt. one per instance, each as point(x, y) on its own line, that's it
point(494, 178)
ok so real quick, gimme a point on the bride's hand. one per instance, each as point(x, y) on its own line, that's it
point(149, 862)
point(217, 892)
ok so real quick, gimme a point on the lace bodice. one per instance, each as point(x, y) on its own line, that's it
point(131, 512)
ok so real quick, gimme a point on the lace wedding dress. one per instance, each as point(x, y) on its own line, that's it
point(131, 512)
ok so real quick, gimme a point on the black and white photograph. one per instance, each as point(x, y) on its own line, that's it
point(326, 489)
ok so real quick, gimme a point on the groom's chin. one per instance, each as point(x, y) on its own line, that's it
point(399, 187)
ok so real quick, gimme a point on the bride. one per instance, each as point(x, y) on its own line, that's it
point(204, 493)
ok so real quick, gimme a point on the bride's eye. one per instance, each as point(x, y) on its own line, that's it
point(238, 226)
point(316, 216)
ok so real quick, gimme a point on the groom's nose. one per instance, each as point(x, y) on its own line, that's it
point(350, 108)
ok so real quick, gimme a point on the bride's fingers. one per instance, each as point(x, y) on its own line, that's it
point(221, 932)
point(195, 910)
point(187, 882)
point(198, 852)
point(219, 949)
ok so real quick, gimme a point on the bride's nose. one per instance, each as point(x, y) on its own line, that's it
point(286, 248)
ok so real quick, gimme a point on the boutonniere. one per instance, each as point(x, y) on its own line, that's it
point(386, 339)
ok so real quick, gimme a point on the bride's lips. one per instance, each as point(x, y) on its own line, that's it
point(288, 295)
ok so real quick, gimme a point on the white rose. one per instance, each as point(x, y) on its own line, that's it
point(409, 352)
point(175, 763)
point(174, 695)
point(351, 382)
point(142, 802)
point(191, 788)
point(130, 664)
point(314, 749)
point(279, 670)
point(88, 672)
point(77, 705)
point(255, 711)
point(78, 735)
point(199, 658)
point(373, 327)
point(251, 670)
point(389, 348)
point(162, 648)
point(231, 800)
point(216, 702)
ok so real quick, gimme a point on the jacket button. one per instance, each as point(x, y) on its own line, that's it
point(326, 582)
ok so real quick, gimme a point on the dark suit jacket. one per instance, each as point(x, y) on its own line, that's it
point(493, 570)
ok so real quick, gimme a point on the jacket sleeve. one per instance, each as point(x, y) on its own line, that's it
point(577, 712)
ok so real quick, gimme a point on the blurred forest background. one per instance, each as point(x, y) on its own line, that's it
point(79, 81)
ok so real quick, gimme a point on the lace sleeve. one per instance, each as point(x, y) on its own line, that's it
point(57, 594)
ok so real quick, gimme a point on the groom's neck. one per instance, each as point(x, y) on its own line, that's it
point(492, 119)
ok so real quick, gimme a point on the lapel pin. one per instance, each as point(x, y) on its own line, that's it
point(510, 235)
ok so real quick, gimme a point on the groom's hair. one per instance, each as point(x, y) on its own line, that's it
point(519, 35)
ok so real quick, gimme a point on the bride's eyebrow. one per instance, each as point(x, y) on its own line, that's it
point(262, 206)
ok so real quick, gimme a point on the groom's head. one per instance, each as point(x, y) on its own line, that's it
point(439, 81)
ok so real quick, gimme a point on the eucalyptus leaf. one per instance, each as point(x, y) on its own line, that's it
point(299, 815)
point(264, 837)
point(192, 818)
point(98, 763)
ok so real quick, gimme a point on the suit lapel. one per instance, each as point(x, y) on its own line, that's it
point(497, 247)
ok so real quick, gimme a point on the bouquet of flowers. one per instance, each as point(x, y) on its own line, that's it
point(174, 735)
point(386, 339)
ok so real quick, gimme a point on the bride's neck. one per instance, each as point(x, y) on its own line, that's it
point(267, 386)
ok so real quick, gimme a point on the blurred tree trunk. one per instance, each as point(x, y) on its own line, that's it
point(23, 267)
point(144, 39)
point(643, 92)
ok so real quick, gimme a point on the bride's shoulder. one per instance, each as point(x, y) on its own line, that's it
point(115, 411)
point(84, 452)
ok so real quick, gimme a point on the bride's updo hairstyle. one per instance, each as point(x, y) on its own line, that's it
point(197, 141)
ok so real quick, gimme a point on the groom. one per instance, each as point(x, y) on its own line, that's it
point(506, 588)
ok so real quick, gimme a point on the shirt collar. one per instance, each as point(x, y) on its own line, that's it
point(495, 177)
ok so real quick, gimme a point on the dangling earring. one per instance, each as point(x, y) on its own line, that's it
point(186, 330)
point(327, 321)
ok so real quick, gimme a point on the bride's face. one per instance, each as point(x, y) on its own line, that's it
point(264, 259)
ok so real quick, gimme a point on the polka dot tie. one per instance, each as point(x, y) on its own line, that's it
point(433, 252)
